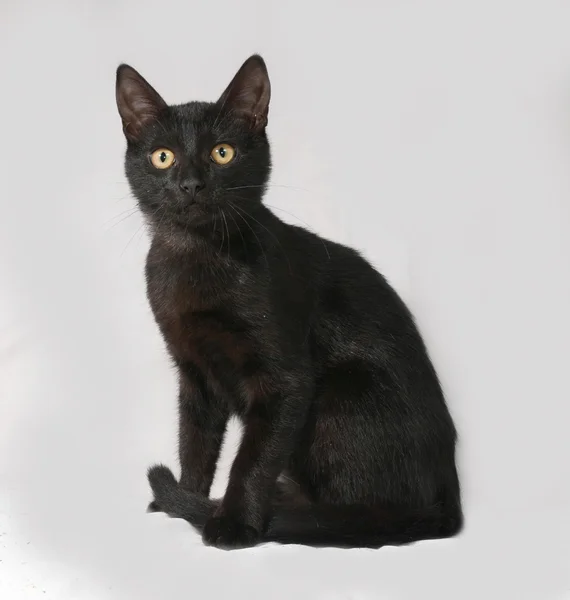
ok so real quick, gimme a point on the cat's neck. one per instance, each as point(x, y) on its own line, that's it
point(236, 233)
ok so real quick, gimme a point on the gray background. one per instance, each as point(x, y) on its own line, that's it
point(433, 136)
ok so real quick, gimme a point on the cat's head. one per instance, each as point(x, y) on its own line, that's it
point(184, 163)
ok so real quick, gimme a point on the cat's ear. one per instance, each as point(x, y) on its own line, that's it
point(248, 94)
point(138, 102)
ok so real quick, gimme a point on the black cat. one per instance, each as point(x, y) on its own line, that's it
point(347, 438)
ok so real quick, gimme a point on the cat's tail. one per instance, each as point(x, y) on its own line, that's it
point(174, 500)
point(359, 526)
point(319, 525)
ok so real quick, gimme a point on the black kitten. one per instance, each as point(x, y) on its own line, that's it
point(347, 438)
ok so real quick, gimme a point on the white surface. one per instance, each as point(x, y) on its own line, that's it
point(433, 136)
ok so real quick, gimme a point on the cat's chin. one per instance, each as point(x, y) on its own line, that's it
point(190, 218)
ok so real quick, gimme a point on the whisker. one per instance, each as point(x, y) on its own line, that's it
point(186, 229)
point(271, 234)
point(124, 197)
point(267, 185)
point(131, 211)
point(132, 238)
point(304, 222)
point(161, 216)
point(252, 231)
point(239, 230)
point(223, 235)
point(228, 230)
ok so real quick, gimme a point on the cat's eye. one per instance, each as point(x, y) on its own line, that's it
point(222, 154)
point(162, 158)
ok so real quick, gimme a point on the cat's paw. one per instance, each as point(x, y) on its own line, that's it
point(153, 507)
point(228, 532)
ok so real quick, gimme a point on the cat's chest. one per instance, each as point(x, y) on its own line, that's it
point(201, 311)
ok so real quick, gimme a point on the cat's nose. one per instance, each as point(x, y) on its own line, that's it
point(191, 186)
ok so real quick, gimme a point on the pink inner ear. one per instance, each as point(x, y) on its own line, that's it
point(141, 110)
point(249, 92)
point(144, 110)
point(138, 102)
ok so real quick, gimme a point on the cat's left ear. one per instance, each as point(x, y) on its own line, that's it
point(138, 102)
point(248, 94)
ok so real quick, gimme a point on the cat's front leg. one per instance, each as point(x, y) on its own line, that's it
point(271, 426)
point(202, 420)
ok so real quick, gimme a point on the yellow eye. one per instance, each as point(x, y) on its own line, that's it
point(222, 154)
point(162, 158)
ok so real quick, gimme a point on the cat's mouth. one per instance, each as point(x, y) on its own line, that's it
point(190, 215)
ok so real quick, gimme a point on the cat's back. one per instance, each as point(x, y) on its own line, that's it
point(356, 312)
point(346, 281)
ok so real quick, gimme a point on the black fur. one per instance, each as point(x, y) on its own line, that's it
point(347, 437)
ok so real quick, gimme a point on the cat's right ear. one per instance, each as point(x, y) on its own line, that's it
point(138, 102)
